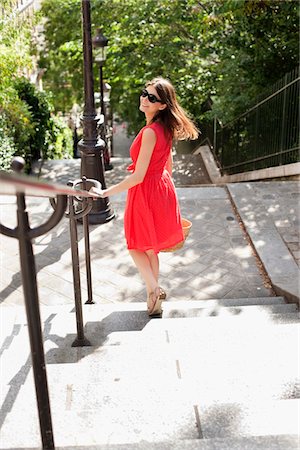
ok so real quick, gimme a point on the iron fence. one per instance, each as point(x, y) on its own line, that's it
point(267, 135)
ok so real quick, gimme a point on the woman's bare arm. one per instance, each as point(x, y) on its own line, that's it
point(141, 167)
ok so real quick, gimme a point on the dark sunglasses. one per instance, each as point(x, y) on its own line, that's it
point(151, 97)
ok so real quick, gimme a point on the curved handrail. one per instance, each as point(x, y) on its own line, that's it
point(53, 220)
point(11, 184)
point(10, 232)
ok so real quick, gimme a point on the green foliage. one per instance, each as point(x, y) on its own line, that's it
point(260, 43)
point(15, 39)
point(62, 58)
point(40, 109)
point(224, 50)
point(7, 148)
point(27, 127)
point(59, 140)
point(18, 126)
point(30, 128)
point(14, 59)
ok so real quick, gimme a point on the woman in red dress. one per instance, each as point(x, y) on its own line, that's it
point(152, 219)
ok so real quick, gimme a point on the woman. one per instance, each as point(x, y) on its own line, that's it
point(152, 219)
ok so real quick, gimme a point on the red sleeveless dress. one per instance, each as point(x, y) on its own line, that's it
point(152, 215)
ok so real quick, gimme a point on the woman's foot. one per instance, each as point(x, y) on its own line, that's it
point(154, 302)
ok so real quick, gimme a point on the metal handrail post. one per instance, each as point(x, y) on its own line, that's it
point(87, 206)
point(86, 232)
point(29, 281)
point(80, 341)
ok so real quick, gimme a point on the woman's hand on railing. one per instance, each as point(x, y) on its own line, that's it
point(97, 191)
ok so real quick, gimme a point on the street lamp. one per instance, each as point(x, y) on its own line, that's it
point(91, 146)
point(100, 43)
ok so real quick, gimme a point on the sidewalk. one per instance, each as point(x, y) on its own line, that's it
point(270, 212)
point(218, 371)
point(216, 261)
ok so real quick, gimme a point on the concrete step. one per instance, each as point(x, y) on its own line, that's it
point(287, 442)
point(240, 301)
point(16, 315)
point(152, 381)
point(189, 170)
point(132, 410)
point(108, 324)
point(283, 442)
point(215, 311)
point(256, 418)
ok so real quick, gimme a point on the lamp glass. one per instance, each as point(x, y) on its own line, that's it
point(100, 54)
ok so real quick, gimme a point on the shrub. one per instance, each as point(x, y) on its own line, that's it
point(7, 147)
point(59, 140)
point(39, 107)
point(28, 127)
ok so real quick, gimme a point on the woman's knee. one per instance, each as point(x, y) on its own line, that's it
point(150, 253)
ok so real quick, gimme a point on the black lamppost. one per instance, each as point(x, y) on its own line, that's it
point(100, 43)
point(91, 146)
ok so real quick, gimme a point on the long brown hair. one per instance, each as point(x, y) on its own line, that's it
point(173, 118)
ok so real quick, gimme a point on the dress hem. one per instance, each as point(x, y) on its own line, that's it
point(157, 249)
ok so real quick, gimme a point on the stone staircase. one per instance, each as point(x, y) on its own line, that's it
point(190, 170)
point(210, 374)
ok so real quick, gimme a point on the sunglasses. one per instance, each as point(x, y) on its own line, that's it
point(151, 97)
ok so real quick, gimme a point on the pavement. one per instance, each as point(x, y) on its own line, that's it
point(218, 371)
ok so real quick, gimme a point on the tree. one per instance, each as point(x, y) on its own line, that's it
point(62, 55)
point(15, 60)
point(141, 46)
point(260, 44)
point(220, 50)
point(27, 125)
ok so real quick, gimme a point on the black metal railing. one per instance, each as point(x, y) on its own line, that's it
point(267, 135)
point(62, 198)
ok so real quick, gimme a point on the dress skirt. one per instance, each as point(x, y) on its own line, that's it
point(152, 216)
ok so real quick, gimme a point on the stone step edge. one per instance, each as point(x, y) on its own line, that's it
point(235, 323)
point(241, 301)
point(265, 303)
point(192, 304)
point(270, 442)
point(263, 317)
point(222, 302)
point(276, 318)
point(234, 310)
point(230, 302)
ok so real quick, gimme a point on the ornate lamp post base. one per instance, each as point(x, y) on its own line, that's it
point(101, 217)
point(92, 167)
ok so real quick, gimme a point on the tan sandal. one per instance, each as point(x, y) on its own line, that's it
point(155, 299)
point(163, 294)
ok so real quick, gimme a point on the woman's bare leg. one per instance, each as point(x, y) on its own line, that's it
point(154, 262)
point(143, 263)
point(148, 265)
